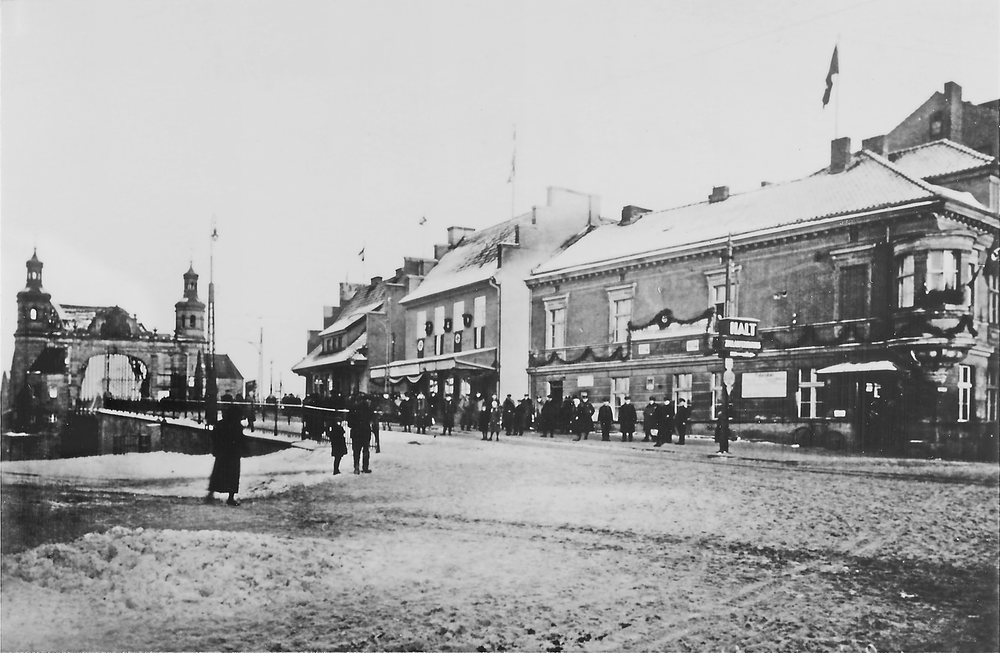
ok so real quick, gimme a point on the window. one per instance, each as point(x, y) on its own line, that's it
point(717, 298)
point(620, 309)
point(937, 125)
point(191, 322)
point(942, 270)
point(682, 388)
point(479, 321)
point(904, 281)
point(716, 394)
point(33, 314)
point(993, 297)
point(992, 394)
point(619, 390)
point(807, 396)
point(964, 393)
point(555, 323)
point(853, 292)
point(717, 291)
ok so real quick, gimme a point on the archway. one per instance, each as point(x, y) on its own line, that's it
point(121, 376)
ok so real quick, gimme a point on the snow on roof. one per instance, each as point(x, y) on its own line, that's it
point(317, 358)
point(348, 320)
point(472, 260)
point(870, 183)
point(938, 158)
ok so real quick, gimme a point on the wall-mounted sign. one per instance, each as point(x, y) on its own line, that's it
point(764, 384)
point(585, 381)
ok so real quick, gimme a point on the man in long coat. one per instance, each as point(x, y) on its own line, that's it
point(360, 420)
point(627, 418)
point(605, 417)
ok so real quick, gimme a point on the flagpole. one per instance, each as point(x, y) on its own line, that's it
point(513, 176)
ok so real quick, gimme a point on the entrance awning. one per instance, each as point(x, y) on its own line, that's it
point(850, 368)
point(412, 368)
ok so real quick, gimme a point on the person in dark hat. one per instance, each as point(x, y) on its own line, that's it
point(627, 418)
point(605, 417)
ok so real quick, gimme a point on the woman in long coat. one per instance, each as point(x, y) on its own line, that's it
point(227, 446)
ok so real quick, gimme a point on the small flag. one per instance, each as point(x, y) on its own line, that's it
point(423, 219)
point(834, 70)
point(361, 254)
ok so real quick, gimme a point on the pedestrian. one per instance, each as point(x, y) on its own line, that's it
point(650, 420)
point(525, 411)
point(567, 413)
point(626, 419)
point(227, 447)
point(722, 436)
point(420, 413)
point(251, 412)
point(496, 414)
point(484, 417)
point(549, 417)
point(447, 416)
point(665, 424)
point(605, 417)
point(338, 443)
point(681, 418)
point(508, 415)
point(406, 413)
point(583, 418)
point(360, 421)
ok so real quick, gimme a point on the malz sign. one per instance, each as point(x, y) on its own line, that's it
point(738, 337)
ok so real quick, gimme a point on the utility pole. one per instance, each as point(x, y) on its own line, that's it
point(728, 376)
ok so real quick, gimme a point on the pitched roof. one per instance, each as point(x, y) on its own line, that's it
point(472, 260)
point(870, 183)
point(225, 368)
point(317, 358)
point(347, 320)
point(939, 158)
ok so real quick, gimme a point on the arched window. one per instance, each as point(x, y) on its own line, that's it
point(33, 314)
point(192, 321)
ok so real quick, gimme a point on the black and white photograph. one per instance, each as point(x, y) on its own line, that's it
point(500, 325)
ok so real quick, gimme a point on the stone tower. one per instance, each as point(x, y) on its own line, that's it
point(190, 311)
point(34, 306)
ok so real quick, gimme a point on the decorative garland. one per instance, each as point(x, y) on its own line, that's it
point(666, 317)
point(620, 353)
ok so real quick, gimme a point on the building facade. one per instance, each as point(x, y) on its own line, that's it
point(875, 291)
point(466, 326)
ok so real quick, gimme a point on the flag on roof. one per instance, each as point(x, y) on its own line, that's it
point(834, 70)
point(423, 219)
point(361, 254)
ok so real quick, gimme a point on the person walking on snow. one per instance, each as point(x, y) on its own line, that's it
point(227, 447)
point(338, 443)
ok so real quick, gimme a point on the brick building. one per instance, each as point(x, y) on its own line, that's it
point(874, 280)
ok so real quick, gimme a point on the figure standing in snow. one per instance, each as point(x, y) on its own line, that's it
point(227, 447)
point(648, 419)
point(495, 419)
point(360, 420)
point(605, 417)
point(681, 417)
point(338, 443)
point(626, 419)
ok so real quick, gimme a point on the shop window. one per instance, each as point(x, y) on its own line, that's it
point(964, 393)
point(807, 397)
point(904, 281)
point(682, 388)
point(555, 323)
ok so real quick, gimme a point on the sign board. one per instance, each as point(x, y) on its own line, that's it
point(765, 384)
point(585, 381)
point(738, 336)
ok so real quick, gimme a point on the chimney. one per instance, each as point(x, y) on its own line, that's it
point(953, 103)
point(456, 234)
point(632, 213)
point(376, 281)
point(441, 250)
point(875, 144)
point(719, 194)
point(840, 154)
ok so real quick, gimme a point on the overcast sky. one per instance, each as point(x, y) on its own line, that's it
point(310, 129)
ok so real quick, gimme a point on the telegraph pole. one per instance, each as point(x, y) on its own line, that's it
point(728, 376)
